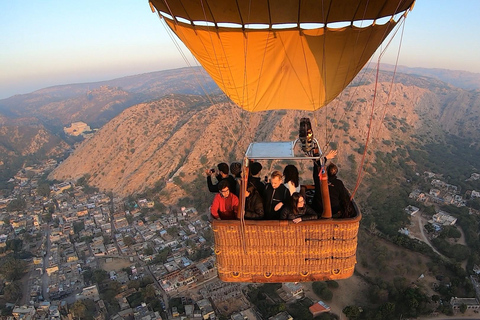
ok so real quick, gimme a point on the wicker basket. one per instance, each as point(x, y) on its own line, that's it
point(282, 251)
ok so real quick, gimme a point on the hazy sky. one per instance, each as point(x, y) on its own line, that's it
point(52, 42)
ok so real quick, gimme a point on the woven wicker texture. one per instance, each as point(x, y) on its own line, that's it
point(281, 251)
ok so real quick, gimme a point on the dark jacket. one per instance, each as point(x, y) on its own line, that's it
point(340, 202)
point(258, 183)
point(306, 213)
point(271, 198)
point(254, 206)
point(232, 184)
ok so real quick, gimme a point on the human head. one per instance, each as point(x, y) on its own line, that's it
point(276, 179)
point(255, 168)
point(332, 170)
point(298, 201)
point(250, 189)
point(223, 168)
point(223, 188)
point(290, 173)
point(236, 169)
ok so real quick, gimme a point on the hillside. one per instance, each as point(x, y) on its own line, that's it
point(460, 79)
point(26, 139)
point(181, 136)
point(99, 102)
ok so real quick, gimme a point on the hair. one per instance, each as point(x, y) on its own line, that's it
point(223, 167)
point(236, 169)
point(294, 202)
point(291, 174)
point(255, 168)
point(332, 170)
point(223, 184)
point(276, 174)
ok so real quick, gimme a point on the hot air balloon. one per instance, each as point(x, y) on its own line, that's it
point(285, 54)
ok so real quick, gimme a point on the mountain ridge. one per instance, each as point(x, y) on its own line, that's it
point(414, 110)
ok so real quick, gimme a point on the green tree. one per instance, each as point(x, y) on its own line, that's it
point(149, 291)
point(43, 190)
point(16, 205)
point(83, 309)
point(352, 312)
point(162, 256)
point(148, 251)
point(128, 241)
point(173, 231)
point(463, 308)
point(318, 287)
point(78, 226)
point(12, 269)
point(99, 276)
point(15, 245)
point(13, 291)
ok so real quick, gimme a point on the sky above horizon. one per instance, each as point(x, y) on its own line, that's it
point(51, 42)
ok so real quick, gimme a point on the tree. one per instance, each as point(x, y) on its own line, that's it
point(78, 226)
point(173, 231)
point(99, 276)
point(352, 312)
point(16, 205)
point(43, 190)
point(13, 269)
point(463, 308)
point(83, 309)
point(162, 256)
point(148, 251)
point(13, 291)
point(15, 245)
point(128, 241)
point(149, 291)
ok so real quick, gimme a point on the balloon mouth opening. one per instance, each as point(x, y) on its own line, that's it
point(286, 26)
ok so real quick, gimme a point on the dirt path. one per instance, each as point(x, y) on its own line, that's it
point(351, 291)
point(424, 237)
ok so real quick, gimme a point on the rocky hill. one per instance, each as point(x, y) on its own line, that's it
point(98, 102)
point(26, 137)
point(460, 79)
point(32, 124)
point(173, 140)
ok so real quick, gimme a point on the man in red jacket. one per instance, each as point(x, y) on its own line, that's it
point(225, 203)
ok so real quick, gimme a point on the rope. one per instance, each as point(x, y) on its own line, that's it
point(362, 163)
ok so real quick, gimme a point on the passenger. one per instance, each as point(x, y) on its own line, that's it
point(222, 174)
point(275, 196)
point(253, 203)
point(317, 203)
point(342, 207)
point(291, 180)
point(298, 210)
point(236, 171)
point(225, 203)
point(255, 171)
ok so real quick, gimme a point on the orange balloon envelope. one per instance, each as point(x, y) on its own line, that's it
point(281, 68)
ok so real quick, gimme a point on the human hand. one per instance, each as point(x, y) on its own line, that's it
point(297, 220)
point(278, 206)
point(331, 154)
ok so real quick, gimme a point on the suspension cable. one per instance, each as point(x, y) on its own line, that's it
point(361, 168)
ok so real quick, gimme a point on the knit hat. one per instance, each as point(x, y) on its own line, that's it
point(255, 168)
point(236, 168)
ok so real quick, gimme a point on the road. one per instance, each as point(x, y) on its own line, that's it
point(425, 239)
point(45, 265)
